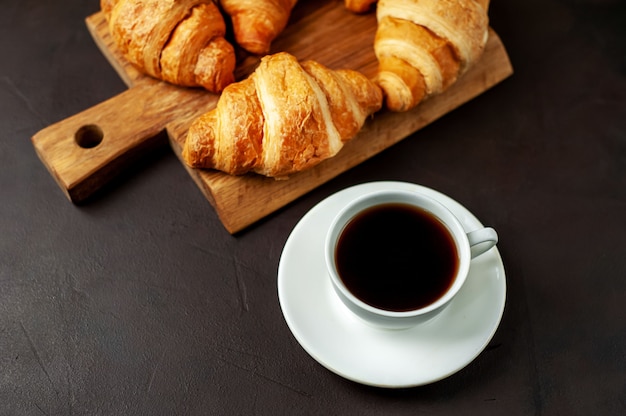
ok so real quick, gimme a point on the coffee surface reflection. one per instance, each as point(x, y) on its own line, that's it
point(396, 257)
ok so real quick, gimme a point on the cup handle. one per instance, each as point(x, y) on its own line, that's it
point(482, 240)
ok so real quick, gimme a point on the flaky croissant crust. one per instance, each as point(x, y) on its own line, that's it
point(423, 46)
point(256, 23)
point(359, 6)
point(179, 41)
point(286, 117)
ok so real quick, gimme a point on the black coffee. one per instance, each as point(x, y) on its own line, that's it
point(396, 257)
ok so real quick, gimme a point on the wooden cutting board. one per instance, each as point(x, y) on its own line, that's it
point(85, 151)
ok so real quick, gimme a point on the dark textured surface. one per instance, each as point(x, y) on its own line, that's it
point(139, 302)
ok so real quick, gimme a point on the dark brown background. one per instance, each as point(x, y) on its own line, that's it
point(139, 302)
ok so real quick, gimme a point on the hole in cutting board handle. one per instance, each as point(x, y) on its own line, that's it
point(89, 136)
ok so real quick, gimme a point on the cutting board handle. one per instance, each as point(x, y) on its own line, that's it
point(85, 151)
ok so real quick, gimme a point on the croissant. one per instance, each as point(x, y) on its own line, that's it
point(359, 6)
point(256, 23)
point(423, 46)
point(285, 117)
point(178, 41)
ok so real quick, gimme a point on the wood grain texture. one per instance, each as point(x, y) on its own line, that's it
point(319, 30)
point(131, 122)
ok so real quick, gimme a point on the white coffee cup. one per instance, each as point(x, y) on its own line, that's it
point(466, 245)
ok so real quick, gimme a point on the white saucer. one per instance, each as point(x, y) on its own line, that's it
point(344, 344)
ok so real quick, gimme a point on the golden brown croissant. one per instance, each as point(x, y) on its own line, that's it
point(423, 46)
point(178, 41)
point(285, 117)
point(359, 6)
point(256, 23)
